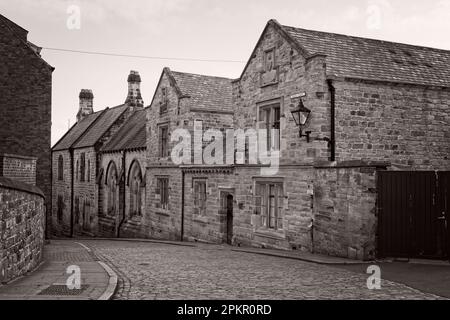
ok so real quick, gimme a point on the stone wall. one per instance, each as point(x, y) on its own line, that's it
point(61, 188)
point(22, 221)
point(345, 216)
point(25, 100)
point(406, 125)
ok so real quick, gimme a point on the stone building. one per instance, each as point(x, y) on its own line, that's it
point(77, 161)
point(290, 155)
point(369, 106)
point(181, 101)
point(25, 101)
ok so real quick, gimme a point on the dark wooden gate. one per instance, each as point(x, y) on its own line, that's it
point(413, 214)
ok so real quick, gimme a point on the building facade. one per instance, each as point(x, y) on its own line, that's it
point(287, 156)
point(374, 106)
point(25, 102)
point(79, 177)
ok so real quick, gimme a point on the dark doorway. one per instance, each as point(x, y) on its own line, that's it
point(229, 201)
point(413, 214)
point(226, 216)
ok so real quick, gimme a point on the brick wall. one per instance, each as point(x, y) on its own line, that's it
point(18, 168)
point(25, 100)
point(406, 125)
point(22, 220)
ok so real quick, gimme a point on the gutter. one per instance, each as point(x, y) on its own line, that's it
point(333, 120)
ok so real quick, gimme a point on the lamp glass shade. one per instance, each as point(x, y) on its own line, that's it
point(301, 114)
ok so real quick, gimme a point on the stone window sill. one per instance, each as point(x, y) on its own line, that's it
point(162, 212)
point(200, 219)
point(271, 233)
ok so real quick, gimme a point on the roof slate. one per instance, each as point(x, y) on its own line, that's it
point(130, 136)
point(355, 57)
point(206, 92)
point(76, 132)
point(101, 126)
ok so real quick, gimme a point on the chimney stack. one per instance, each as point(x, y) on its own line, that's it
point(86, 104)
point(134, 98)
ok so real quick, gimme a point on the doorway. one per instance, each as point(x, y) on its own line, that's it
point(226, 211)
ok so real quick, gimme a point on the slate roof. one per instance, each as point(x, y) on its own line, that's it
point(130, 136)
point(98, 129)
point(369, 59)
point(205, 92)
point(76, 132)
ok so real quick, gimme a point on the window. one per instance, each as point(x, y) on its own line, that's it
point(86, 214)
point(162, 189)
point(77, 168)
point(269, 60)
point(164, 100)
point(111, 182)
point(60, 168)
point(135, 185)
point(269, 204)
point(89, 171)
point(269, 120)
point(82, 167)
point(60, 208)
point(200, 197)
point(163, 141)
point(77, 210)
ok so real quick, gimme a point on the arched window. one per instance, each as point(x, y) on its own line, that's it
point(76, 170)
point(60, 168)
point(111, 183)
point(89, 171)
point(83, 167)
point(135, 186)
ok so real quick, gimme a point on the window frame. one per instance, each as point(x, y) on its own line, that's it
point(271, 122)
point(164, 101)
point(162, 189)
point(60, 168)
point(270, 220)
point(82, 167)
point(163, 143)
point(200, 199)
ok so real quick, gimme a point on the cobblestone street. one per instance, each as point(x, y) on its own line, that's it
point(164, 271)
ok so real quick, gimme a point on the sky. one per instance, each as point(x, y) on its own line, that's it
point(193, 29)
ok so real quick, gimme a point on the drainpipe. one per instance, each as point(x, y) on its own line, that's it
point(124, 195)
point(72, 194)
point(333, 120)
point(182, 203)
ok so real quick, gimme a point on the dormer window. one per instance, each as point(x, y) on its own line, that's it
point(164, 100)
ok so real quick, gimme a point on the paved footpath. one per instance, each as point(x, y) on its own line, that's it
point(162, 271)
point(48, 282)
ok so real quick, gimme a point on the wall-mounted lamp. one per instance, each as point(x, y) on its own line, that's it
point(301, 116)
